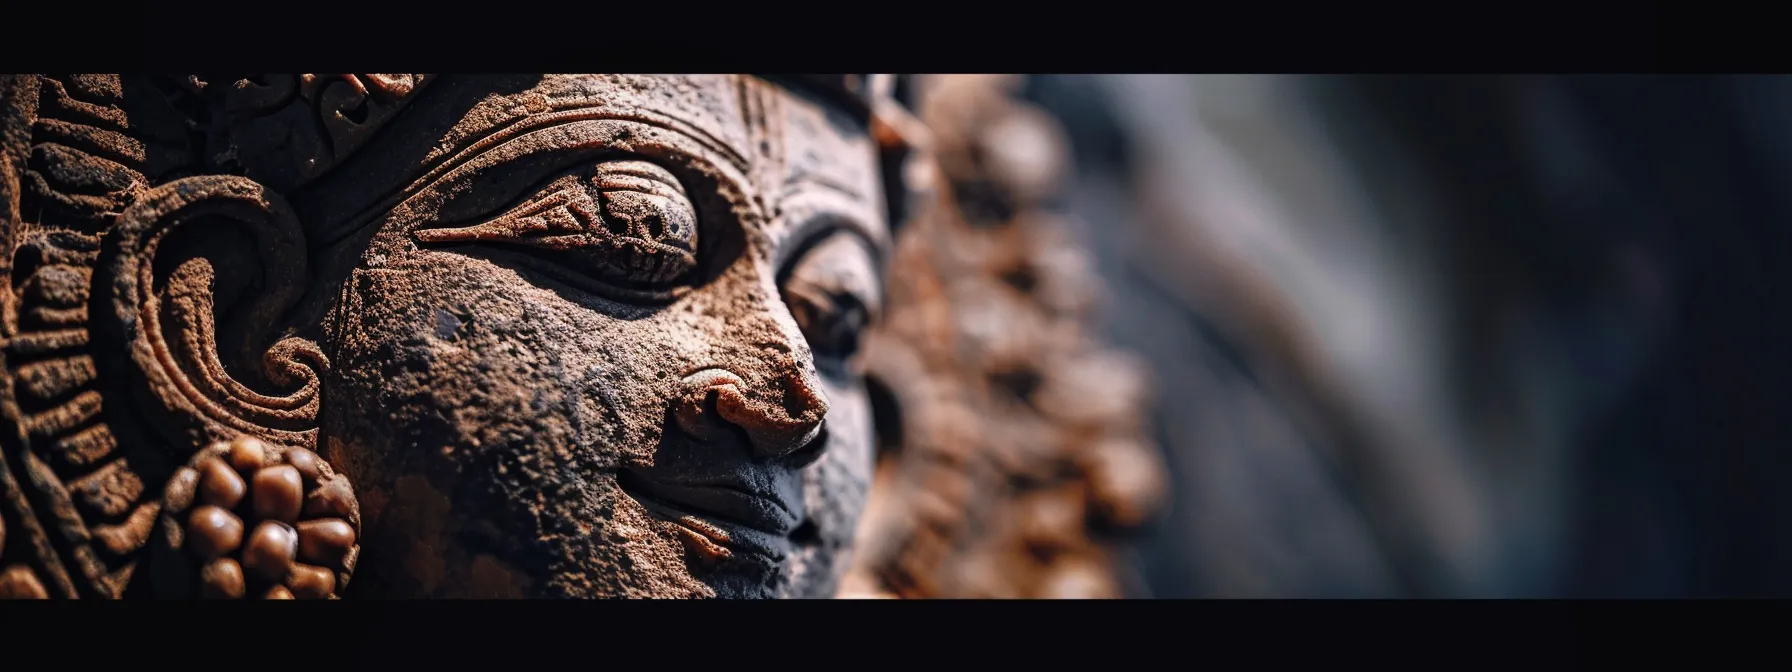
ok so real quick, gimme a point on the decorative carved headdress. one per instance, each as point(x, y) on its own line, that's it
point(117, 194)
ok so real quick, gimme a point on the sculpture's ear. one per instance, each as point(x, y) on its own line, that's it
point(199, 273)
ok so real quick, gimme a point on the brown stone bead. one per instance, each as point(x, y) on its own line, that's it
point(180, 490)
point(278, 494)
point(277, 592)
point(212, 532)
point(325, 542)
point(270, 549)
point(332, 499)
point(308, 463)
point(311, 583)
point(247, 454)
point(18, 582)
point(219, 485)
point(222, 579)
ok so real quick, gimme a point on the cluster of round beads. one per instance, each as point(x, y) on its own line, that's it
point(263, 521)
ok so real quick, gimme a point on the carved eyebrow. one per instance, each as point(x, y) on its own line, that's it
point(636, 175)
point(834, 205)
point(816, 229)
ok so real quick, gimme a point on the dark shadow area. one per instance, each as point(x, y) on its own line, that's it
point(1611, 287)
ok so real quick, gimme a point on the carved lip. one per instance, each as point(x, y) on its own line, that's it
point(753, 521)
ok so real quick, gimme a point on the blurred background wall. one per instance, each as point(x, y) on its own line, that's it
point(1448, 336)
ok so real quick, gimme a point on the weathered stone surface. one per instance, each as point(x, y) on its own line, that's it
point(521, 336)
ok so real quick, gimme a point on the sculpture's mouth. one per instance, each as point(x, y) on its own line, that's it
point(720, 519)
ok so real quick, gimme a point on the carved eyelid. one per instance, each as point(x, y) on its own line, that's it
point(578, 199)
point(636, 176)
point(632, 217)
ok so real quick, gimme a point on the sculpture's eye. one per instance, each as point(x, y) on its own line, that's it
point(628, 224)
point(833, 293)
point(643, 202)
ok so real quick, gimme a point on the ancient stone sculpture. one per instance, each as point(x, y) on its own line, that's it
point(562, 335)
point(1016, 457)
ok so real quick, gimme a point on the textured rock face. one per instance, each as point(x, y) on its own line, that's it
point(1016, 456)
point(525, 336)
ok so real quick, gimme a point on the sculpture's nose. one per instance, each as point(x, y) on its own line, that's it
point(757, 375)
point(780, 416)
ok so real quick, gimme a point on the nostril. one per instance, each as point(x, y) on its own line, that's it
point(695, 414)
point(776, 425)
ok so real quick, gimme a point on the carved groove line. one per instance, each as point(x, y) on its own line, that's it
point(530, 124)
point(204, 390)
point(765, 131)
point(82, 166)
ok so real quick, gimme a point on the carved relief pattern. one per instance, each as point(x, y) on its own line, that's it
point(74, 469)
point(79, 171)
point(187, 374)
point(82, 219)
point(84, 167)
point(287, 130)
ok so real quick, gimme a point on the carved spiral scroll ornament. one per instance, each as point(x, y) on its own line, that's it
point(169, 321)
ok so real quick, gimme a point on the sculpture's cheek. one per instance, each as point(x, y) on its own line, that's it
point(616, 550)
point(424, 514)
point(464, 354)
point(510, 406)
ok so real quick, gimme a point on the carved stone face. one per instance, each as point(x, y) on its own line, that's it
point(558, 335)
point(602, 344)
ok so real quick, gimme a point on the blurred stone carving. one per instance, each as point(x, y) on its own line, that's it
point(1014, 456)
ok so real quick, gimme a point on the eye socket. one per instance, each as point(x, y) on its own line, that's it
point(628, 224)
point(833, 293)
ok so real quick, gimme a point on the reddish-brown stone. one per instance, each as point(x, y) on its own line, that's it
point(499, 336)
